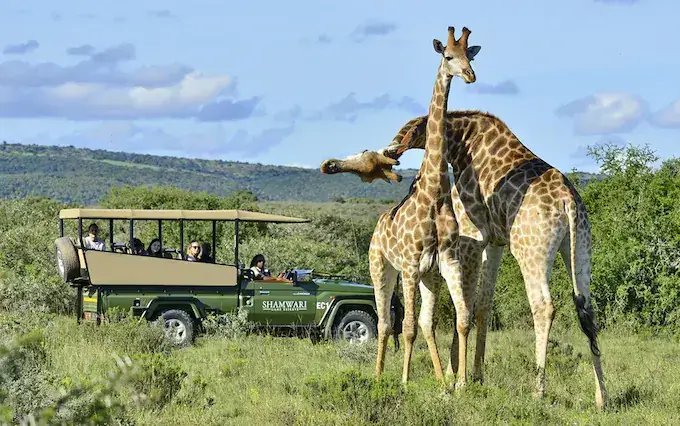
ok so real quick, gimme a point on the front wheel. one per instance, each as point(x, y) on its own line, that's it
point(178, 327)
point(356, 327)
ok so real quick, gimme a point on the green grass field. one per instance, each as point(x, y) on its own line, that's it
point(265, 380)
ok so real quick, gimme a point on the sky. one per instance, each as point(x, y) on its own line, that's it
point(293, 83)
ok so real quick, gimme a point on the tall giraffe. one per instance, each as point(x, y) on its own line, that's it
point(504, 194)
point(419, 237)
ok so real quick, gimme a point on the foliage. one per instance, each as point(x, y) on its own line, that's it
point(635, 214)
point(228, 325)
point(159, 380)
point(28, 278)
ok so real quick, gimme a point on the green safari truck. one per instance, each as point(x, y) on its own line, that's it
point(161, 282)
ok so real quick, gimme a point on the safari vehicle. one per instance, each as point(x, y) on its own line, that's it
point(182, 294)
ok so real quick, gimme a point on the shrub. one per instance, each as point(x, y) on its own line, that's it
point(229, 325)
point(159, 380)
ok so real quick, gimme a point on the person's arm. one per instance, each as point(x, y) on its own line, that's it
point(280, 278)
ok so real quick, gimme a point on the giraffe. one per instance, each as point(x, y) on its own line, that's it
point(419, 237)
point(505, 195)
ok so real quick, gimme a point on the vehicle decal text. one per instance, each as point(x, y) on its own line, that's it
point(284, 305)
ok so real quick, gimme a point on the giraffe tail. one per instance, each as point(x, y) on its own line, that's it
point(584, 309)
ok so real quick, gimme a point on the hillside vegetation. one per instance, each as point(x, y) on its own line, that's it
point(230, 377)
point(84, 176)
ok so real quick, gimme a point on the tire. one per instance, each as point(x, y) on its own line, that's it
point(356, 327)
point(68, 263)
point(179, 327)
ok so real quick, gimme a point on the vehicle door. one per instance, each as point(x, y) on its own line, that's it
point(281, 303)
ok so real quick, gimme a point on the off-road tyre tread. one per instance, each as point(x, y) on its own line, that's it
point(186, 319)
point(64, 248)
point(356, 314)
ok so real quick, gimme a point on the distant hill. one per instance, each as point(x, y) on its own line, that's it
point(84, 175)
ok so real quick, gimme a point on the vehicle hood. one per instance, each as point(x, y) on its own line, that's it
point(341, 286)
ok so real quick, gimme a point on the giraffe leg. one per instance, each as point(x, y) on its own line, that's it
point(384, 278)
point(430, 285)
point(536, 262)
point(586, 314)
point(491, 260)
point(409, 279)
point(452, 367)
point(463, 299)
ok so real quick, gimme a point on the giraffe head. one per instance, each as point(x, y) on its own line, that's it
point(368, 165)
point(456, 55)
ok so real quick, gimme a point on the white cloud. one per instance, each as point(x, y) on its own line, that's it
point(89, 101)
point(605, 113)
point(96, 88)
point(668, 116)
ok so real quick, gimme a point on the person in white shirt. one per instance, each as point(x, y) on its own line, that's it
point(261, 273)
point(92, 241)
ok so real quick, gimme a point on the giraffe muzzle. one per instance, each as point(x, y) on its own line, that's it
point(329, 167)
point(469, 76)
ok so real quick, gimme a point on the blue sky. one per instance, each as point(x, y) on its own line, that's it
point(294, 83)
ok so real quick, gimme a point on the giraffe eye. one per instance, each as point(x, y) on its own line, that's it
point(448, 58)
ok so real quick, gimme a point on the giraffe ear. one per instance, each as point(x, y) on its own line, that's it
point(438, 46)
point(472, 51)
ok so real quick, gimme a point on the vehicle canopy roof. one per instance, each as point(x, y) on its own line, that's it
point(148, 214)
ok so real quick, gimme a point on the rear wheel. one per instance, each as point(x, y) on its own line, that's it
point(356, 327)
point(179, 327)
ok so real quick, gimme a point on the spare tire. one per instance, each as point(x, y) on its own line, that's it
point(68, 263)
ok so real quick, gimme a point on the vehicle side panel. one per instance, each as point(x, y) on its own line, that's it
point(108, 268)
point(213, 299)
point(281, 303)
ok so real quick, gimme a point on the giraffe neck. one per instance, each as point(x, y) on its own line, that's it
point(436, 166)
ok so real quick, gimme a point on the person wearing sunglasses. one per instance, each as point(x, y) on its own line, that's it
point(193, 251)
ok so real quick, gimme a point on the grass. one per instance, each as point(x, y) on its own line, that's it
point(265, 380)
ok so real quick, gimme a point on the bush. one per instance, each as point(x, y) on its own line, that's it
point(159, 380)
point(28, 275)
point(229, 325)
